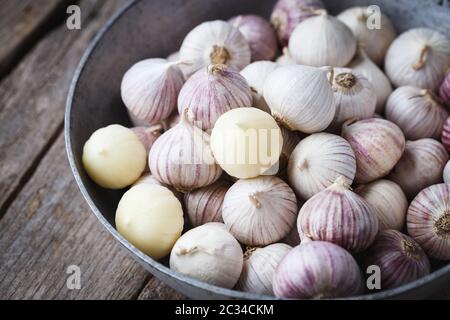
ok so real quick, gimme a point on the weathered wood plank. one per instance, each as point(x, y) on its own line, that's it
point(156, 290)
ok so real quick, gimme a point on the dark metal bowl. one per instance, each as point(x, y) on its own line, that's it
point(144, 29)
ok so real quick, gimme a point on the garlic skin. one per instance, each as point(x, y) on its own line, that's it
point(249, 207)
point(428, 221)
point(215, 42)
point(317, 161)
point(419, 58)
point(388, 202)
point(150, 89)
point(300, 98)
point(335, 47)
point(446, 173)
point(375, 41)
point(417, 112)
point(208, 253)
point(212, 91)
point(340, 216)
point(445, 135)
point(420, 166)
point(285, 59)
point(317, 270)
point(182, 157)
point(444, 89)
point(378, 144)
point(148, 135)
point(259, 268)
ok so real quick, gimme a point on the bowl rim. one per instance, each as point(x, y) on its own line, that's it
point(154, 264)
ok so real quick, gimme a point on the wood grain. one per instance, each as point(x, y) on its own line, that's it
point(156, 290)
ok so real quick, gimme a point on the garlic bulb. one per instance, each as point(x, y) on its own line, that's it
point(215, 42)
point(445, 135)
point(419, 113)
point(211, 92)
point(150, 89)
point(300, 98)
point(446, 173)
point(259, 211)
point(444, 89)
point(151, 218)
point(388, 202)
point(340, 216)
point(375, 41)
point(428, 220)
point(420, 166)
point(259, 34)
point(378, 145)
point(418, 57)
point(335, 47)
point(256, 74)
point(148, 135)
point(318, 161)
point(285, 59)
point(208, 253)
point(400, 259)
point(316, 270)
point(259, 268)
point(182, 157)
point(114, 157)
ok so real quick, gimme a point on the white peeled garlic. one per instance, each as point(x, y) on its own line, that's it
point(335, 46)
point(208, 253)
point(418, 57)
point(285, 59)
point(300, 98)
point(318, 161)
point(446, 173)
point(148, 178)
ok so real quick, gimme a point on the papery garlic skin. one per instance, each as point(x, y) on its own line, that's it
point(317, 161)
point(444, 89)
point(317, 270)
point(420, 166)
point(388, 202)
point(428, 221)
point(419, 58)
point(445, 135)
point(378, 144)
point(259, 267)
point(285, 59)
point(446, 173)
point(417, 112)
point(249, 207)
point(208, 253)
point(300, 98)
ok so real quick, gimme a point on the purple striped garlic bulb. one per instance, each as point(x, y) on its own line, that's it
point(400, 258)
point(340, 216)
point(444, 89)
point(445, 136)
point(378, 145)
point(317, 270)
point(428, 220)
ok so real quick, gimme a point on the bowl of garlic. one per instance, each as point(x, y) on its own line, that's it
point(249, 149)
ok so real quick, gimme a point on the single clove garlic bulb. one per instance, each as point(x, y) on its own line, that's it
point(317, 161)
point(260, 211)
point(208, 253)
point(444, 89)
point(211, 92)
point(340, 216)
point(419, 58)
point(446, 173)
point(388, 202)
point(420, 166)
point(148, 135)
point(419, 113)
point(150, 89)
point(378, 145)
point(300, 98)
point(317, 270)
point(445, 135)
point(259, 268)
point(182, 157)
point(335, 47)
point(285, 59)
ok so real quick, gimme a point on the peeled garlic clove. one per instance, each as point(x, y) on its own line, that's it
point(151, 218)
point(388, 202)
point(400, 259)
point(445, 136)
point(317, 161)
point(285, 59)
point(259, 268)
point(317, 270)
point(260, 211)
point(378, 145)
point(300, 98)
point(418, 57)
point(420, 166)
point(208, 253)
point(444, 89)
point(419, 113)
point(335, 47)
point(428, 220)
point(148, 135)
point(215, 42)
